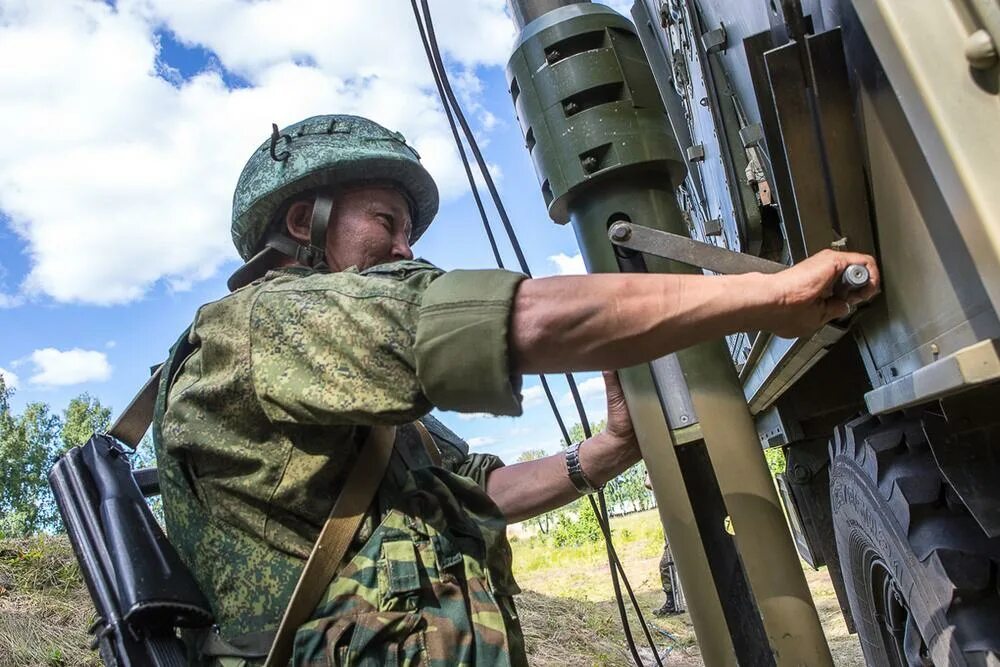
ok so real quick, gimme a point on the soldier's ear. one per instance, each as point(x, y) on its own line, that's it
point(297, 220)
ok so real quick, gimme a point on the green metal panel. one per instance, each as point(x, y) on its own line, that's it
point(604, 151)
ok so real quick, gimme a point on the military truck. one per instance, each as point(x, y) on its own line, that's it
point(801, 125)
point(737, 136)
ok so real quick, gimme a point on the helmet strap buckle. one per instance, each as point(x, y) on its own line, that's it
point(318, 224)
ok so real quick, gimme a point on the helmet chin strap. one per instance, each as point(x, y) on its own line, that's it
point(322, 208)
point(313, 255)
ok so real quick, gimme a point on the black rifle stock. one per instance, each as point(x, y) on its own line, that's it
point(141, 590)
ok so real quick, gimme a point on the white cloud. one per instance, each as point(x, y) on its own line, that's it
point(9, 378)
point(68, 367)
point(567, 265)
point(589, 388)
point(130, 172)
point(472, 416)
point(532, 395)
point(481, 441)
point(10, 300)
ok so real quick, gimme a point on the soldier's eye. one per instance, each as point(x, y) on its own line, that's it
point(387, 219)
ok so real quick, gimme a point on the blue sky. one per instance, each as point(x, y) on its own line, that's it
point(129, 131)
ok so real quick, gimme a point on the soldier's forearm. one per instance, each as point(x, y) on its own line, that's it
point(596, 322)
point(525, 490)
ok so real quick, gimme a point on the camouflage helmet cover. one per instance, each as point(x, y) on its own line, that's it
point(325, 151)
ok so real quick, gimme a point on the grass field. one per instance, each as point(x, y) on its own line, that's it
point(567, 608)
point(570, 618)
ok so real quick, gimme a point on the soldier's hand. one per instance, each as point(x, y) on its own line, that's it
point(619, 424)
point(810, 294)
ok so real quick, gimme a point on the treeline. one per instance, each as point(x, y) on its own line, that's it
point(30, 442)
point(575, 523)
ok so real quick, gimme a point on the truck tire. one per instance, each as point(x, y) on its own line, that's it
point(920, 574)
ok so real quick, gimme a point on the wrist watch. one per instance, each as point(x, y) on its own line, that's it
point(575, 471)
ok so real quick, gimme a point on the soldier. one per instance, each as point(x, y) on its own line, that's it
point(669, 606)
point(335, 344)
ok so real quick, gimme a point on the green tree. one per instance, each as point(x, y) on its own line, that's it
point(576, 433)
point(530, 455)
point(775, 457)
point(628, 493)
point(83, 417)
point(28, 443)
point(583, 529)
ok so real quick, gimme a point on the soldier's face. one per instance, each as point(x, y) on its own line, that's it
point(369, 226)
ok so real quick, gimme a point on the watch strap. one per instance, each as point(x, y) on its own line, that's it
point(575, 471)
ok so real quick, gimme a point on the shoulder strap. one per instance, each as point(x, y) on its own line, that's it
point(334, 539)
point(428, 440)
point(135, 419)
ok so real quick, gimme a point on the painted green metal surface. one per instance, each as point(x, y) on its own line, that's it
point(604, 151)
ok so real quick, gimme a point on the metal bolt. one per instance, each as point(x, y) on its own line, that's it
point(935, 350)
point(571, 108)
point(703, 101)
point(980, 50)
point(589, 164)
point(621, 232)
point(856, 276)
point(685, 419)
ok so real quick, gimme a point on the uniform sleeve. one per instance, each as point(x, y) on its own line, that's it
point(478, 467)
point(462, 352)
point(345, 348)
point(455, 453)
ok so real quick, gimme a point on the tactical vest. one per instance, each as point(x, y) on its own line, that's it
point(417, 584)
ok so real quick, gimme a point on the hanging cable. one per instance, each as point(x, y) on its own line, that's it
point(458, 139)
point(453, 110)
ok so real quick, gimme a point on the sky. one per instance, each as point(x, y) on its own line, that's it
point(127, 124)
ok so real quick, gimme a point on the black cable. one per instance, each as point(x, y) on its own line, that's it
point(425, 21)
point(604, 521)
point(426, 27)
point(454, 133)
point(438, 62)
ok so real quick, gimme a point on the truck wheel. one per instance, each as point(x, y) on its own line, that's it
point(921, 576)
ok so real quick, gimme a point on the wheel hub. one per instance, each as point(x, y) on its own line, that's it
point(904, 644)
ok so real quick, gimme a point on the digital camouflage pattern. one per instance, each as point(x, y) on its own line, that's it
point(325, 151)
point(256, 434)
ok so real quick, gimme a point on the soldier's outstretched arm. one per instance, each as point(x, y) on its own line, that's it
point(596, 322)
point(613, 321)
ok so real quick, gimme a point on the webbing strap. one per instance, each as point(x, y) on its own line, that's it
point(322, 208)
point(133, 422)
point(336, 536)
point(428, 440)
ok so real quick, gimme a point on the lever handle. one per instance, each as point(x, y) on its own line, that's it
point(855, 277)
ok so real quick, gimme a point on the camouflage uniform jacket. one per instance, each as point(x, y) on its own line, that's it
point(260, 424)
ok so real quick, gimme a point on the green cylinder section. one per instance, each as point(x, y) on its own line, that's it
point(588, 105)
point(603, 149)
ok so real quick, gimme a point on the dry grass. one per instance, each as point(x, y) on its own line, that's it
point(44, 607)
point(567, 610)
point(569, 616)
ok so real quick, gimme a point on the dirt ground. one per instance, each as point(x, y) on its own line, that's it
point(569, 616)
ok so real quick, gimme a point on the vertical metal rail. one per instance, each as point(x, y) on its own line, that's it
point(601, 143)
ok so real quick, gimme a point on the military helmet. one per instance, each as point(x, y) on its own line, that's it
point(321, 152)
